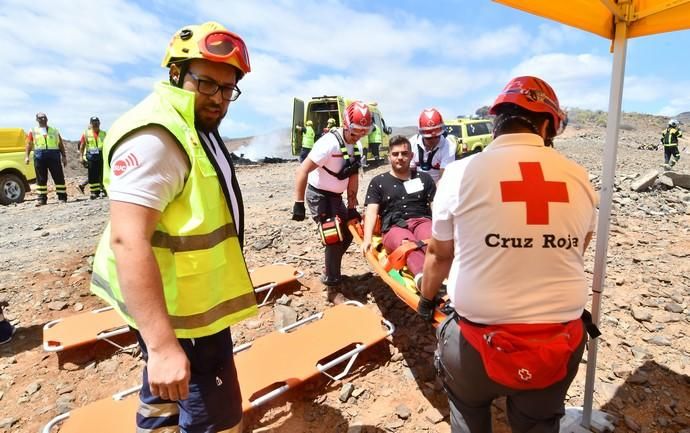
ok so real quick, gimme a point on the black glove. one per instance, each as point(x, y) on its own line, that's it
point(85, 163)
point(298, 212)
point(425, 308)
point(352, 214)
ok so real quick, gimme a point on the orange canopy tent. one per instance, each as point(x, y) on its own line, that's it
point(617, 20)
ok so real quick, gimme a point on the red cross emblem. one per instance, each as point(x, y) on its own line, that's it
point(536, 192)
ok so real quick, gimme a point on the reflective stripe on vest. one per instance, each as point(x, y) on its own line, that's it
point(93, 143)
point(308, 138)
point(188, 322)
point(205, 279)
point(46, 142)
point(194, 242)
point(670, 136)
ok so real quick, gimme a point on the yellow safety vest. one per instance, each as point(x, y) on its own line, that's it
point(375, 136)
point(205, 279)
point(93, 143)
point(50, 141)
point(670, 136)
point(308, 138)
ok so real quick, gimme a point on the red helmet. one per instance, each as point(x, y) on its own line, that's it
point(532, 94)
point(357, 117)
point(430, 123)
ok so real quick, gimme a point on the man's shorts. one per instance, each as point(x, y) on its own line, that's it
point(214, 402)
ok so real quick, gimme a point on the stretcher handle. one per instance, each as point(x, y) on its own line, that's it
point(55, 421)
point(270, 396)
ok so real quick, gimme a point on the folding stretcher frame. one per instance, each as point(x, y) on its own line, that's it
point(267, 367)
point(105, 323)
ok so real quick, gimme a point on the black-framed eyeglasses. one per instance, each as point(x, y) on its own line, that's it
point(210, 88)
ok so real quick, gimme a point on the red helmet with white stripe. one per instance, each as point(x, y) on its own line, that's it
point(430, 123)
point(357, 118)
point(532, 94)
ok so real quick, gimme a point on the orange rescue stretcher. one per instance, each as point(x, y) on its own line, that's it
point(266, 368)
point(398, 278)
point(105, 323)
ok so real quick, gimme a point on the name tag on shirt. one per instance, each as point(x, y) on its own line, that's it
point(413, 185)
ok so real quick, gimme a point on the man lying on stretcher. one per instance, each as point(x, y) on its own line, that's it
point(402, 198)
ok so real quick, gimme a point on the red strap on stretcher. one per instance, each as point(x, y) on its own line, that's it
point(396, 259)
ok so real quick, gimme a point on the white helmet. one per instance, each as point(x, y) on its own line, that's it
point(673, 123)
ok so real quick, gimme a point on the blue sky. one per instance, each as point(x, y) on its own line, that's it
point(75, 59)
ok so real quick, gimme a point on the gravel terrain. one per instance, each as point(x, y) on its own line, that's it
point(644, 355)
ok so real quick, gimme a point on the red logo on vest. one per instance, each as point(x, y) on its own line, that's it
point(536, 192)
point(125, 163)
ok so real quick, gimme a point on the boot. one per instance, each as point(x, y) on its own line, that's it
point(6, 331)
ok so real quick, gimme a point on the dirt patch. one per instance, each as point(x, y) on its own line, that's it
point(644, 354)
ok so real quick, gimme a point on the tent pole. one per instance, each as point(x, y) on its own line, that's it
point(620, 43)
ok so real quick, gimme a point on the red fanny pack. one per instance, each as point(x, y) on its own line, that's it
point(525, 356)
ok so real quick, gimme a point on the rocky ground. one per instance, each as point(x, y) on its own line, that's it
point(643, 364)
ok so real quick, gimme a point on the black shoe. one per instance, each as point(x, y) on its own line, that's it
point(41, 203)
point(93, 196)
point(6, 331)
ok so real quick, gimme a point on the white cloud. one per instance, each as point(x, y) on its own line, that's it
point(492, 44)
point(81, 59)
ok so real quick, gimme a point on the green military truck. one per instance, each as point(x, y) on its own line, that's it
point(15, 175)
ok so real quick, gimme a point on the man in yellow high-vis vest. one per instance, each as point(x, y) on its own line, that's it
point(49, 156)
point(170, 261)
point(91, 152)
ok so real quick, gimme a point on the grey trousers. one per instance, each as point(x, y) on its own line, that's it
point(471, 392)
point(326, 206)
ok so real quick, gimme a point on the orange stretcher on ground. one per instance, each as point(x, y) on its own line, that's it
point(400, 281)
point(267, 367)
point(105, 323)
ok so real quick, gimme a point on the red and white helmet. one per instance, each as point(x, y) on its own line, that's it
point(532, 94)
point(357, 117)
point(430, 123)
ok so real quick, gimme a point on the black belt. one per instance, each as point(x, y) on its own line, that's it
point(324, 192)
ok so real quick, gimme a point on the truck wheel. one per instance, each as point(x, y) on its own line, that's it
point(12, 189)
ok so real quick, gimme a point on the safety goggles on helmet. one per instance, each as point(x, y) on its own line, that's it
point(210, 41)
point(210, 88)
point(221, 46)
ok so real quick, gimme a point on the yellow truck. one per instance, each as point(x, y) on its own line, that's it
point(321, 108)
point(15, 175)
point(469, 135)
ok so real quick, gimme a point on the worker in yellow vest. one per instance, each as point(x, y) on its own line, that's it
point(170, 260)
point(49, 156)
point(308, 136)
point(91, 152)
point(669, 138)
